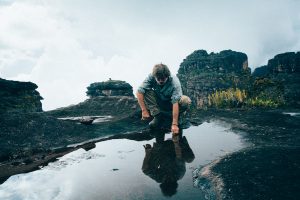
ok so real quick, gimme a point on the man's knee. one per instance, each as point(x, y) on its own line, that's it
point(151, 102)
point(185, 102)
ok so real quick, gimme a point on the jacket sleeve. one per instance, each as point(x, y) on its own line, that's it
point(147, 84)
point(177, 91)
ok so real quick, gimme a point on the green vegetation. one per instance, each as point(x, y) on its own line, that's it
point(228, 98)
point(263, 99)
point(233, 98)
point(259, 102)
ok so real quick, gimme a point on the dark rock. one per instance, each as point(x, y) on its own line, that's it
point(113, 98)
point(110, 88)
point(287, 63)
point(202, 74)
point(116, 106)
point(280, 79)
point(18, 96)
point(261, 71)
point(268, 163)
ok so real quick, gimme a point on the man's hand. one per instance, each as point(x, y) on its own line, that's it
point(175, 129)
point(145, 115)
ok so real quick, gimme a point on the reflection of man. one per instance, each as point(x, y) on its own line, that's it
point(159, 93)
point(165, 161)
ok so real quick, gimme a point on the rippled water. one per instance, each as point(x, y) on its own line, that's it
point(120, 169)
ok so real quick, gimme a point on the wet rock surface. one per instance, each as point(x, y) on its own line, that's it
point(268, 172)
point(30, 140)
point(269, 167)
point(120, 167)
point(269, 162)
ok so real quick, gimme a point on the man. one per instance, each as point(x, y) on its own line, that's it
point(161, 93)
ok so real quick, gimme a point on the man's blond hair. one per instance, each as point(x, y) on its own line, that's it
point(161, 71)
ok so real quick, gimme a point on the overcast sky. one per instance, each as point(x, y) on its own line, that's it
point(64, 45)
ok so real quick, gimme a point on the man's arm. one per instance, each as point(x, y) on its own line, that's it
point(145, 113)
point(176, 95)
point(146, 85)
point(174, 128)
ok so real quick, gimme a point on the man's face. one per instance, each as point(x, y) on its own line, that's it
point(161, 80)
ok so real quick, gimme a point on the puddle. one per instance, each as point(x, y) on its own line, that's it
point(293, 114)
point(120, 168)
point(95, 119)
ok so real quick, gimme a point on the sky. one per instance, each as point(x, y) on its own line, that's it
point(65, 45)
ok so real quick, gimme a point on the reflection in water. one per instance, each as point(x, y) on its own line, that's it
point(112, 169)
point(165, 161)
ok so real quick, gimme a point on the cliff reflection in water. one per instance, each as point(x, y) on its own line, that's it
point(165, 161)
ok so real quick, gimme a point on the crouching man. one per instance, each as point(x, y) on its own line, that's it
point(160, 94)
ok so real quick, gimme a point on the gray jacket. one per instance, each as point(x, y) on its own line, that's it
point(171, 90)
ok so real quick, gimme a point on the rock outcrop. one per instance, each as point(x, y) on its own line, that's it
point(18, 96)
point(112, 97)
point(110, 88)
point(201, 74)
point(279, 80)
point(285, 63)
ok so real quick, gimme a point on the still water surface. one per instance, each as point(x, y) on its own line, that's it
point(123, 169)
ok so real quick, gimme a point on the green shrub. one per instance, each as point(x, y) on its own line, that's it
point(228, 98)
point(232, 98)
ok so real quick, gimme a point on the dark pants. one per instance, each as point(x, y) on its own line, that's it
point(156, 106)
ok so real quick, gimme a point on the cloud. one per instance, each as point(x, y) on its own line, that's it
point(63, 46)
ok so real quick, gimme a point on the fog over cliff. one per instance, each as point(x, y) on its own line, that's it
point(63, 46)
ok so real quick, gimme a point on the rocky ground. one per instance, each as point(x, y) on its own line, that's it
point(269, 168)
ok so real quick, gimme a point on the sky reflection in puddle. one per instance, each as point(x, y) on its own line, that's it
point(118, 169)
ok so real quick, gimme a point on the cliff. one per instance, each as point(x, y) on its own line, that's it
point(279, 80)
point(202, 74)
point(18, 96)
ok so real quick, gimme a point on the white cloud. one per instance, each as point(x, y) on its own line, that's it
point(63, 46)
